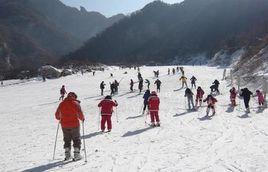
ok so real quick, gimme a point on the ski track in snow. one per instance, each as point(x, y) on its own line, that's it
point(225, 142)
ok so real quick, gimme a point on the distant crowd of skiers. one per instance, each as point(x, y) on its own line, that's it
point(69, 110)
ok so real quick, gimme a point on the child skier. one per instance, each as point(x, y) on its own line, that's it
point(153, 105)
point(173, 71)
point(140, 84)
point(215, 87)
point(245, 93)
point(189, 94)
point(69, 113)
point(233, 94)
point(193, 80)
point(148, 83)
point(106, 106)
point(158, 84)
point(199, 96)
point(260, 97)
point(145, 100)
point(211, 101)
point(183, 80)
point(131, 85)
point(62, 92)
point(102, 86)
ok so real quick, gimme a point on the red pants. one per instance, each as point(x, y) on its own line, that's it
point(154, 116)
point(104, 119)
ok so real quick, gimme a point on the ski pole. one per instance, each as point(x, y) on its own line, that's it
point(116, 114)
point(145, 122)
point(99, 116)
point(185, 106)
point(84, 141)
point(56, 140)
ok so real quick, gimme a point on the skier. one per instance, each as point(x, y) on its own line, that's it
point(260, 97)
point(193, 80)
point(139, 76)
point(158, 85)
point(106, 106)
point(183, 81)
point(199, 96)
point(145, 100)
point(211, 101)
point(93, 73)
point(189, 94)
point(245, 93)
point(182, 71)
point(148, 83)
point(215, 87)
point(131, 85)
point(173, 71)
point(177, 68)
point(112, 88)
point(157, 73)
point(233, 94)
point(69, 113)
point(168, 71)
point(111, 75)
point(62, 92)
point(102, 86)
point(116, 85)
point(153, 106)
point(140, 84)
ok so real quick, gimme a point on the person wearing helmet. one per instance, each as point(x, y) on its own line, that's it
point(106, 106)
point(102, 87)
point(153, 106)
point(145, 100)
point(69, 113)
point(246, 94)
point(189, 95)
point(158, 85)
point(183, 80)
point(233, 94)
point(211, 101)
point(199, 96)
point(62, 93)
point(260, 97)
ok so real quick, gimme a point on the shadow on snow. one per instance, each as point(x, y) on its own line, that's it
point(133, 133)
point(92, 135)
point(134, 117)
point(47, 166)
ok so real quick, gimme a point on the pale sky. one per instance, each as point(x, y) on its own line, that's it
point(112, 7)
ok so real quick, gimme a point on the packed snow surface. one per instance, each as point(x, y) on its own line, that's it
point(227, 142)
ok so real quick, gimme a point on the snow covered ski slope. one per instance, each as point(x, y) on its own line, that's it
point(226, 142)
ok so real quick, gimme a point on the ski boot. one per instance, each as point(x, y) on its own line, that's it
point(158, 124)
point(77, 155)
point(153, 124)
point(67, 154)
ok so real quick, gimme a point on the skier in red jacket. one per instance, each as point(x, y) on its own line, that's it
point(106, 106)
point(233, 94)
point(199, 96)
point(211, 101)
point(153, 105)
point(69, 113)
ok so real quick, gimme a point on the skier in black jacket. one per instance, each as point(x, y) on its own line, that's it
point(245, 93)
point(102, 86)
point(189, 94)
